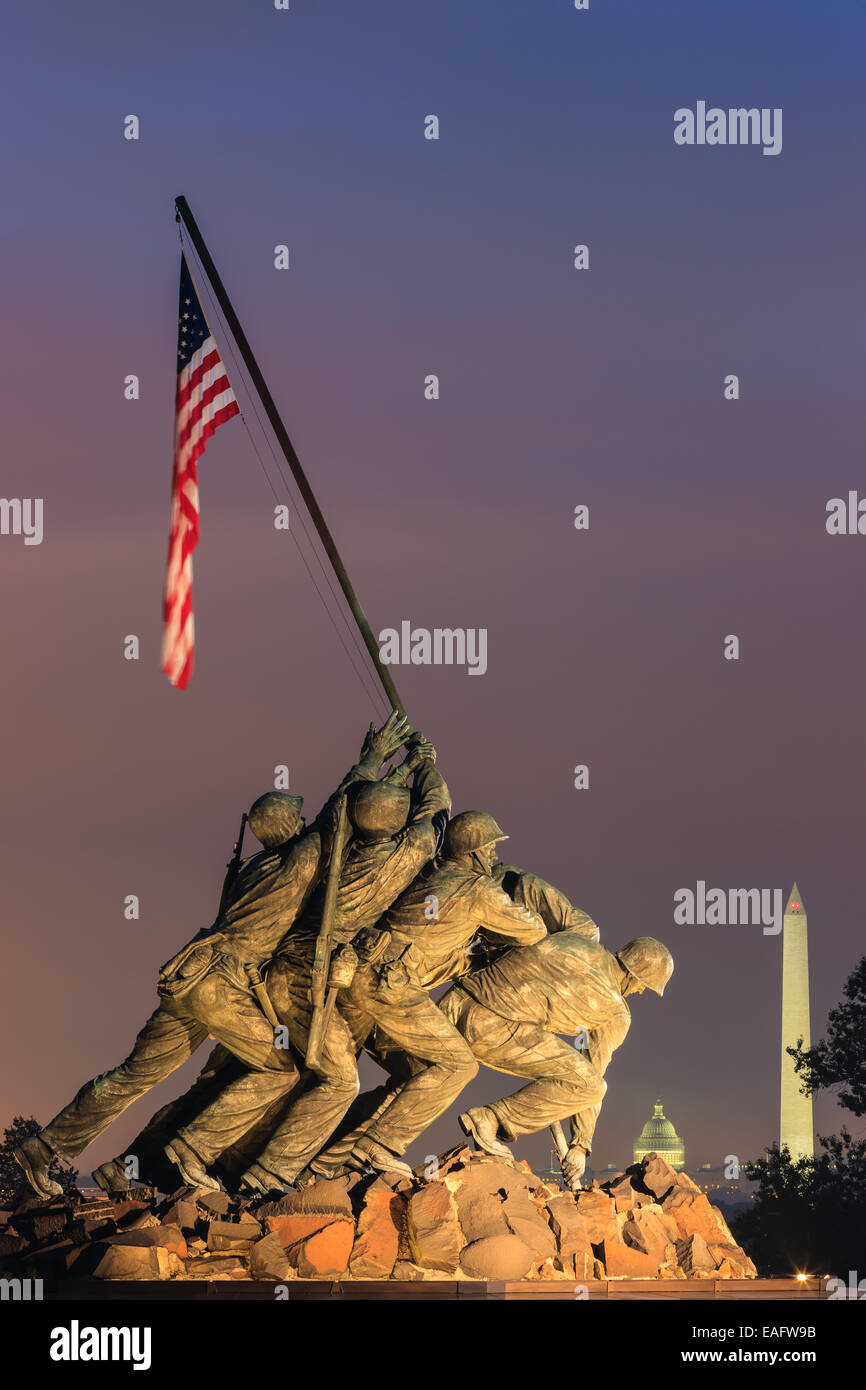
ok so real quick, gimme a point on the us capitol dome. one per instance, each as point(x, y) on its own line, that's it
point(659, 1136)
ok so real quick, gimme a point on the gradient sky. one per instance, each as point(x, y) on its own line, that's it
point(557, 388)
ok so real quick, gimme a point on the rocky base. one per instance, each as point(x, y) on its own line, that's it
point(477, 1218)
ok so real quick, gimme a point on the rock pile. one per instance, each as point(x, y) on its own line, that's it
point(477, 1218)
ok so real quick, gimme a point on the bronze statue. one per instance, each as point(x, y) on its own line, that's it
point(354, 920)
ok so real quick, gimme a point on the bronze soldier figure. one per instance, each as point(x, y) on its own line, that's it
point(511, 1012)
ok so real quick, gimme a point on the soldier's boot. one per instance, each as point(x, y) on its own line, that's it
point(259, 1181)
point(323, 1167)
point(190, 1166)
point(34, 1156)
point(482, 1125)
point(111, 1177)
point(366, 1152)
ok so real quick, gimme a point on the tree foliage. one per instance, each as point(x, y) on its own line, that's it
point(840, 1058)
point(809, 1214)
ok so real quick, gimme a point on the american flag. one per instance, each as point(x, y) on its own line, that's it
point(204, 401)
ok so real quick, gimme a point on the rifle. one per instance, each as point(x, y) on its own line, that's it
point(324, 943)
point(233, 867)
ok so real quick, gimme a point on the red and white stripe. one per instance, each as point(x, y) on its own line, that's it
point(204, 401)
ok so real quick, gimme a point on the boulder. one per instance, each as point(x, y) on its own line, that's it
point(650, 1230)
point(233, 1236)
point(497, 1257)
point(624, 1262)
point(268, 1260)
point(382, 1217)
point(656, 1176)
point(693, 1255)
point(292, 1228)
point(217, 1267)
point(599, 1212)
point(568, 1225)
point(480, 1214)
point(434, 1234)
point(326, 1196)
point(406, 1270)
point(214, 1203)
point(695, 1215)
point(181, 1212)
point(167, 1237)
point(535, 1234)
point(326, 1254)
point(136, 1262)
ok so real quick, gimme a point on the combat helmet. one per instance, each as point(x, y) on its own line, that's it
point(275, 818)
point(468, 831)
point(649, 961)
point(378, 810)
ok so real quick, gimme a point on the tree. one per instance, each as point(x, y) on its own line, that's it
point(809, 1215)
point(840, 1058)
point(13, 1184)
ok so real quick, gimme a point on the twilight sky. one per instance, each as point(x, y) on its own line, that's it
point(558, 387)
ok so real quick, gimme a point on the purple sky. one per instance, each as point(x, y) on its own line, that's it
point(557, 388)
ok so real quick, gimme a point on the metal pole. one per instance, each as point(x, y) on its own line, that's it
point(185, 215)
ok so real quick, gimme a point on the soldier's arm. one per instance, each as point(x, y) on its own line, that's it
point(430, 794)
point(552, 906)
point(379, 745)
point(503, 921)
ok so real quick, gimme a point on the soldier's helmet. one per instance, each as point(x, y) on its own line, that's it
point(275, 817)
point(468, 831)
point(378, 810)
point(649, 961)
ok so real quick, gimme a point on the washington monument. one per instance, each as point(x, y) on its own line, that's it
point(795, 1127)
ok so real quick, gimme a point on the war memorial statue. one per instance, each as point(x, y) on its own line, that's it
point(406, 899)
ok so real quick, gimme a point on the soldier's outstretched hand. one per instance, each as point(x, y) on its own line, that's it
point(384, 742)
point(420, 751)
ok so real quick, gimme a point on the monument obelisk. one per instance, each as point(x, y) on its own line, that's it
point(795, 1127)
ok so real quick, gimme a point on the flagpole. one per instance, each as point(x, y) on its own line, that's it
point(185, 215)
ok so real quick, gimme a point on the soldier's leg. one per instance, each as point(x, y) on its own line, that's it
point(219, 1068)
point(312, 1118)
point(563, 1079)
point(411, 1020)
point(166, 1041)
point(369, 1105)
point(235, 1020)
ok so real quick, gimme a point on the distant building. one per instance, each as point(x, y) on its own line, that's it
point(795, 1127)
point(659, 1136)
